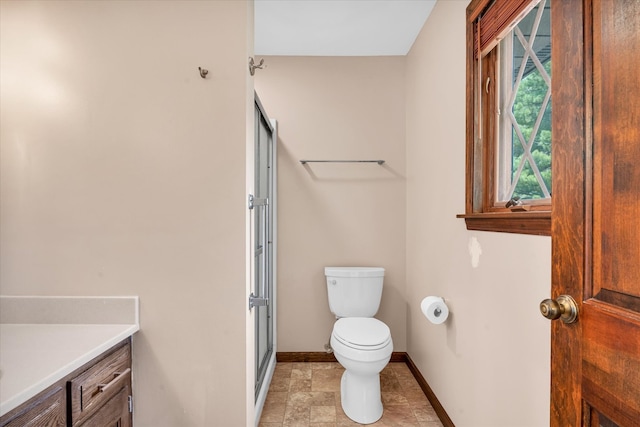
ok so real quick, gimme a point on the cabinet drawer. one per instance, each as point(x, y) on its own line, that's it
point(95, 386)
point(113, 413)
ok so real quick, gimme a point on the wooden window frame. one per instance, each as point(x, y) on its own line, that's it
point(480, 210)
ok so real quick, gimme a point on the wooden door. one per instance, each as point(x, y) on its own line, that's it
point(595, 369)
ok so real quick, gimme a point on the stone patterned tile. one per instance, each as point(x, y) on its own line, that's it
point(426, 414)
point(301, 374)
point(308, 395)
point(397, 416)
point(393, 398)
point(407, 379)
point(387, 369)
point(390, 383)
point(301, 366)
point(387, 373)
point(343, 421)
point(274, 397)
point(273, 413)
point(323, 414)
point(416, 398)
point(400, 368)
point(279, 383)
point(306, 399)
point(282, 369)
point(325, 365)
point(296, 416)
point(326, 379)
point(408, 382)
point(284, 365)
point(299, 385)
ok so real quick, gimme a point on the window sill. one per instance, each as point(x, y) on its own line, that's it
point(532, 222)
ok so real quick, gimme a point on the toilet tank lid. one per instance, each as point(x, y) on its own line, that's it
point(354, 271)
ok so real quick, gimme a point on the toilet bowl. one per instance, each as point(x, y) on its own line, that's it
point(363, 346)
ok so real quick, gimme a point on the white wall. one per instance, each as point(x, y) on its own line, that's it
point(123, 173)
point(489, 364)
point(336, 214)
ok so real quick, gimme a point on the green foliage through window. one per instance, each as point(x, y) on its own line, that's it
point(525, 136)
point(526, 107)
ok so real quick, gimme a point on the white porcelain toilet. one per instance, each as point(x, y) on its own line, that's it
point(362, 344)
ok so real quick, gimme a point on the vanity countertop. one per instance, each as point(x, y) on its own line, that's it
point(43, 339)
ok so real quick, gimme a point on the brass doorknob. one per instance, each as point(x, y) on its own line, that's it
point(564, 307)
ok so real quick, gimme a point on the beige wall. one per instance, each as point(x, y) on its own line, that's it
point(489, 364)
point(123, 174)
point(336, 214)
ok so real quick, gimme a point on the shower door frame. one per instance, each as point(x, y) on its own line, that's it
point(264, 211)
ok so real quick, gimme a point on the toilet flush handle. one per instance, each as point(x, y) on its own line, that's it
point(333, 281)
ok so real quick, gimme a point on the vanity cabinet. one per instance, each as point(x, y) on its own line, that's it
point(95, 395)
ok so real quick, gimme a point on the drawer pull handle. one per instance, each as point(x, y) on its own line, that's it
point(118, 376)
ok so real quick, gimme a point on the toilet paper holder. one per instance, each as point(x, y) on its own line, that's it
point(435, 309)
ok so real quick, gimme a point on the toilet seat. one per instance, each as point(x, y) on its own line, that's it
point(362, 333)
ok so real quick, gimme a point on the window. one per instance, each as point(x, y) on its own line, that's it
point(509, 116)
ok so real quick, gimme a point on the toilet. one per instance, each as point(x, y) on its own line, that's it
point(360, 343)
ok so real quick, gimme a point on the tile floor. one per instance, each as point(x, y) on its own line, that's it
point(308, 395)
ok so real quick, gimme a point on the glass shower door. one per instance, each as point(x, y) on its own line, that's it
point(262, 205)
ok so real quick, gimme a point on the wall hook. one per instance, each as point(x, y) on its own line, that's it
point(203, 72)
point(253, 66)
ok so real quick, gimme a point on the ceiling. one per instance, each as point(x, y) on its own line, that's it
point(338, 27)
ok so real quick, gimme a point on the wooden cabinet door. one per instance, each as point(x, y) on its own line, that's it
point(596, 220)
point(47, 410)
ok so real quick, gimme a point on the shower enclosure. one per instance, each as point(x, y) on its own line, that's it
point(262, 300)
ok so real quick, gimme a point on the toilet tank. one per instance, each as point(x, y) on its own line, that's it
point(354, 291)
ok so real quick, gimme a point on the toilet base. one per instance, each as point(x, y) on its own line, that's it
point(361, 397)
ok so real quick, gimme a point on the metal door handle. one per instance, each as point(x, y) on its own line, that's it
point(117, 378)
point(564, 307)
point(262, 299)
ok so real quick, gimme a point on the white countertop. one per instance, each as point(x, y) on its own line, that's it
point(34, 356)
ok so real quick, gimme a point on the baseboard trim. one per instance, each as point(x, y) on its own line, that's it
point(304, 356)
point(431, 396)
point(396, 356)
point(319, 356)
